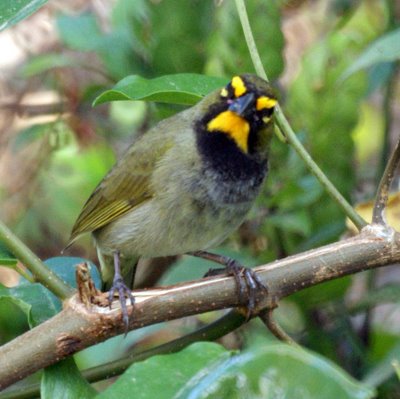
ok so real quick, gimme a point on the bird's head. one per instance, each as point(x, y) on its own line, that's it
point(241, 111)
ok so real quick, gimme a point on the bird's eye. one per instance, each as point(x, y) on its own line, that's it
point(224, 92)
point(266, 119)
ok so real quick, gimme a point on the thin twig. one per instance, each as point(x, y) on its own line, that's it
point(30, 110)
point(378, 214)
point(389, 92)
point(39, 270)
point(285, 127)
point(388, 117)
point(19, 268)
point(287, 130)
point(388, 173)
point(266, 315)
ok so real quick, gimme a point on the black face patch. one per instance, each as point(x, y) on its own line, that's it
point(220, 154)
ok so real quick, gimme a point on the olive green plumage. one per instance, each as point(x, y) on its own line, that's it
point(187, 183)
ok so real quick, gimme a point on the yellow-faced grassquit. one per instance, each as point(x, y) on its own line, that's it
point(184, 186)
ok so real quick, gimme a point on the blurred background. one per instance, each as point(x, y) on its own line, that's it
point(55, 147)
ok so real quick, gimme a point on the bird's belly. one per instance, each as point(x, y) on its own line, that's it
point(153, 229)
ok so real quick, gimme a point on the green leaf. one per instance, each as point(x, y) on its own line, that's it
point(30, 134)
point(36, 301)
point(45, 62)
point(184, 88)
point(11, 327)
point(168, 373)
point(383, 370)
point(13, 11)
point(79, 32)
point(297, 222)
point(206, 370)
point(82, 33)
point(64, 266)
point(396, 366)
point(384, 49)
point(150, 39)
point(63, 380)
point(322, 293)
point(6, 257)
point(56, 134)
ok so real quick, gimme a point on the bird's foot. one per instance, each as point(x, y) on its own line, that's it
point(124, 292)
point(247, 281)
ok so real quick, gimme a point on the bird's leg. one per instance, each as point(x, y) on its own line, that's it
point(123, 291)
point(247, 281)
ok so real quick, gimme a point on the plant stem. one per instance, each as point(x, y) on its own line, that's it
point(21, 270)
point(266, 315)
point(384, 186)
point(383, 179)
point(40, 271)
point(287, 130)
point(285, 127)
point(251, 44)
point(389, 93)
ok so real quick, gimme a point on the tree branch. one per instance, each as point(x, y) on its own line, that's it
point(79, 326)
point(230, 321)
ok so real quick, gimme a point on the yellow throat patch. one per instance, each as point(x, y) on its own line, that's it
point(234, 126)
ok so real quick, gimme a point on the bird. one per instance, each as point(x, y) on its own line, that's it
point(183, 187)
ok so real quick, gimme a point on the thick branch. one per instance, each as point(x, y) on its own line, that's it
point(78, 327)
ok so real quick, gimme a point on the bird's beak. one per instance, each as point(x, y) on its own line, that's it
point(240, 105)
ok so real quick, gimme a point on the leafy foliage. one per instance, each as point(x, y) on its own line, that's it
point(6, 257)
point(36, 301)
point(185, 89)
point(14, 11)
point(63, 380)
point(206, 370)
point(384, 49)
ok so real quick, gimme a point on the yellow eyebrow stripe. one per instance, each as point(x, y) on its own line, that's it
point(238, 86)
point(265, 102)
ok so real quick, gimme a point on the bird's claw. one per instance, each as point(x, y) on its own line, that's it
point(124, 293)
point(249, 285)
point(247, 281)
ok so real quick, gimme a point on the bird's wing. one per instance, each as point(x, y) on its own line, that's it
point(126, 185)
